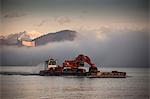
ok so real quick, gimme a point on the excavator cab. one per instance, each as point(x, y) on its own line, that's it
point(80, 64)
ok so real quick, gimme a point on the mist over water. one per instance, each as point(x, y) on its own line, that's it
point(118, 49)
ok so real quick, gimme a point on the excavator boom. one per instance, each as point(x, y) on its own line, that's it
point(80, 59)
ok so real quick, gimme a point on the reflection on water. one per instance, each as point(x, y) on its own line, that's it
point(46, 87)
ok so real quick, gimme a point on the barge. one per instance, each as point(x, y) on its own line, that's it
point(76, 67)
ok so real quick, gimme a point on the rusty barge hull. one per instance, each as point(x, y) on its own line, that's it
point(106, 76)
point(46, 73)
point(86, 74)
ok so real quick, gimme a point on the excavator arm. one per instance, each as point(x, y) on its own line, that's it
point(86, 59)
point(75, 63)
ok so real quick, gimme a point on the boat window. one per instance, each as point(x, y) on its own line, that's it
point(52, 62)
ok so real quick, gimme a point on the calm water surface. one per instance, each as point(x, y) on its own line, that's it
point(48, 87)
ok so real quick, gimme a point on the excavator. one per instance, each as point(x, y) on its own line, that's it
point(75, 67)
point(70, 67)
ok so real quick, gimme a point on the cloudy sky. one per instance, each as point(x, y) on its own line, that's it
point(54, 15)
point(112, 32)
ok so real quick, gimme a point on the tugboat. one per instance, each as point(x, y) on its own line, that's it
point(75, 67)
point(51, 68)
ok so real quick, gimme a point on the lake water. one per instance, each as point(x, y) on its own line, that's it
point(136, 86)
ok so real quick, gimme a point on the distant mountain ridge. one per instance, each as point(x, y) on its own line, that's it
point(63, 35)
point(10, 39)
